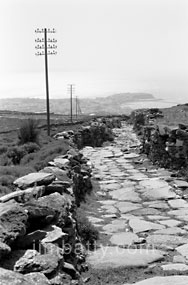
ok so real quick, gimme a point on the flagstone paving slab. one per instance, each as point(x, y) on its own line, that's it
point(145, 212)
point(112, 216)
point(125, 207)
point(178, 203)
point(164, 280)
point(139, 225)
point(157, 204)
point(123, 239)
point(175, 266)
point(109, 209)
point(166, 240)
point(95, 220)
point(131, 155)
point(170, 223)
point(125, 194)
point(159, 188)
point(183, 250)
point(157, 217)
point(127, 183)
point(179, 259)
point(181, 212)
point(115, 226)
point(113, 181)
point(110, 187)
point(108, 202)
point(180, 183)
point(171, 231)
point(113, 257)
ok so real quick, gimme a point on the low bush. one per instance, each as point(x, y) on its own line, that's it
point(7, 180)
point(15, 154)
point(47, 153)
point(8, 174)
point(28, 132)
point(88, 233)
point(3, 149)
point(31, 147)
point(4, 190)
point(16, 171)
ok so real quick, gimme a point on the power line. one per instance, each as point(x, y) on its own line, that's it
point(46, 46)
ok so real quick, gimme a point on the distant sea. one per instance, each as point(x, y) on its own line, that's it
point(151, 104)
point(94, 84)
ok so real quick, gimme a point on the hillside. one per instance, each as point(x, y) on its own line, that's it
point(113, 104)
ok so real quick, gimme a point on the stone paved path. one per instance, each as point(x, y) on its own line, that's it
point(143, 211)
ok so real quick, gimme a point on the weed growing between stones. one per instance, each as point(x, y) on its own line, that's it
point(88, 233)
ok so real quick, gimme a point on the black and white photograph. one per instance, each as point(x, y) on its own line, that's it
point(94, 142)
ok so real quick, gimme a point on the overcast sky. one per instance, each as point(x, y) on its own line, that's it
point(141, 42)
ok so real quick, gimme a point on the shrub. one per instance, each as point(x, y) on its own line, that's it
point(47, 153)
point(16, 171)
point(5, 160)
point(3, 149)
point(31, 147)
point(28, 132)
point(4, 190)
point(139, 121)
point(7, 180)
point(16, 153)
point(88, 233)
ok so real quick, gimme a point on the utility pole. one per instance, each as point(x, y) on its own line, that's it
point(71, 90)
point(46, 46)
point(76, 107)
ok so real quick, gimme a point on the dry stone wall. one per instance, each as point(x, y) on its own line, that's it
point(164, 145)
point(39, 240)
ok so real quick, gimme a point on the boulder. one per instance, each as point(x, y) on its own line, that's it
point(13, 219)
point(60, 162)
point(31, 239)
point(24, 195)
point(56, 202)
point(61, 278)
point(39, 215)
point(37, 278)
point(36, 178)
point(59, 173)
point(53, 234)
point(58, 186)
point(8, 277)
point(62, 205)
point(4, 249)
point(33, 261)
point(70, 269)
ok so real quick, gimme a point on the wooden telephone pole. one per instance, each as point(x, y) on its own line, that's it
point(46, 46)
point(78, 109)
point(71, 89)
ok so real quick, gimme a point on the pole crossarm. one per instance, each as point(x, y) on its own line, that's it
point(45, 42)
